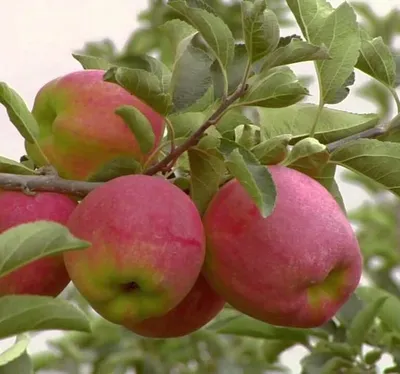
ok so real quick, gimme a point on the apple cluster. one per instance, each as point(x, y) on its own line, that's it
point(155, 264)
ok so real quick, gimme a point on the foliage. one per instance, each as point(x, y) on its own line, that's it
point(226, 64)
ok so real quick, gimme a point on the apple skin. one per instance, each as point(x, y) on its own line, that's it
point(295, 268)
point(198, 308)
point(148, 247)
point(46, 276)
point(79, 130)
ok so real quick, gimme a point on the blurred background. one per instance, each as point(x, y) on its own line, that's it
point(38, 37)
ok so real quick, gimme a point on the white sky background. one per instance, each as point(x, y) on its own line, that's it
point(38, 37)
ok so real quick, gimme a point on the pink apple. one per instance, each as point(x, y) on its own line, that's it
point(198, 308)
point(46, 276)
point(79, 130)
point(296, 267)
point(147, 250)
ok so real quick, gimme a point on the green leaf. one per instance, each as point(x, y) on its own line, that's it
point(272, 151)
point(186, 123)
point(308, 156)
point(378, 94)
point(323, 363)
point(103, 48)
point(247, 135)
point(297, 119)
point(24, 161)
point(342, 92)
point(295, 51)
point(310, 15)
point(334, 365)
point(255, 178)
point(207, 170)
point(350, 309)
point(376, 59)
point(21, 365)
point(202, 4)
point(16, 350)
point(139, 125)
point(142, 40)
point(362, 322)
point(24, 313)
point(160, 70)
point(183, 183)
point(340, 34)
point(234, 72)
point(260, 29)
point(210, 139)
point(204, 103)
point(229, 121)
point(326, 177)
point(278, 88)
point(146, 86)
point(342, 349)
point(92, 62)
point(377, 160)
point(191, 77)
point(373, 357)
point(177, 30)
point(388, 313)
point(272, 349)
point(27, 242)
point(338, 30)
point(214, 31)
point(149, 64)
point(19, 114)
point(122, 165)
point(14, 167)
point(250, 327)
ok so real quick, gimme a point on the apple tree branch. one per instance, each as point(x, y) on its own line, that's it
point(50, 182)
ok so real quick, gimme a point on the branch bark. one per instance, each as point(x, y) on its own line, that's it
point(168, 161)
point(51, 182)
point(366, 134)
point(373, 133)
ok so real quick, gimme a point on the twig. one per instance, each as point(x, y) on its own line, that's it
point(373, 133)
point(49, 183)
point(366, 134)
point(168, 161)
point(46, 179)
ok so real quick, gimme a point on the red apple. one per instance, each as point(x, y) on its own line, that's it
point(79, 130)
point(147, 249)
point(46, 276)
point(296, 267)
point(198, 308)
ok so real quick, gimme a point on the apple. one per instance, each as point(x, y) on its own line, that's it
point(79, 130)
point(198, 308)
point(296, 267)
point(46, 276)
point(148, 247)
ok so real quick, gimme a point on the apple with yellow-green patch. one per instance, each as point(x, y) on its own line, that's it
point(147, 248)
point(79, 129)
point(198, 308)
point(296, 267)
